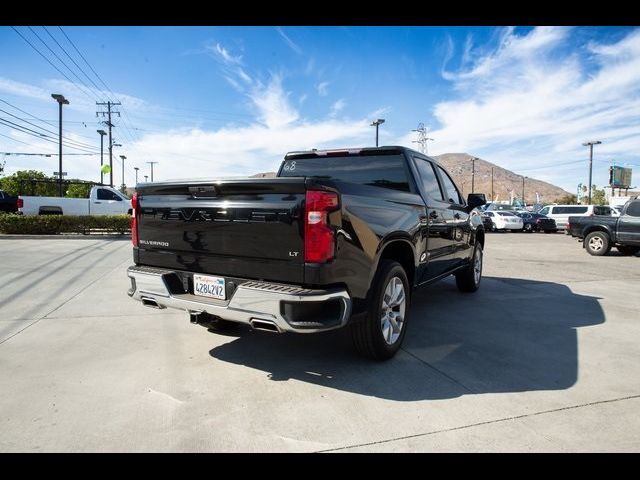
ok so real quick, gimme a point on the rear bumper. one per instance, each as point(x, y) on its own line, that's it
point(288, 308)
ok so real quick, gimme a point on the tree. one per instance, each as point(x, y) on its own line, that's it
point(78, 190)
point(21, 183)
point(569, 199)
point(598, 197)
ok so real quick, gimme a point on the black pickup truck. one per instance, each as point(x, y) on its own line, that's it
point(8, 203)
point(600, 233)
point(338, 238)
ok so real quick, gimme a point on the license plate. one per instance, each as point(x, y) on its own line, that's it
point(206, 286)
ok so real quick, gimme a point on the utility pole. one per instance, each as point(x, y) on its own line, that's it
point(376, 124)
point(151, 163)
point(590, 145)
point(61, 101)
point(123, 158)
point(108, 113)
point(136, 169)
point(523, 202)
point(422, 138)
point(102, 134)
point(473, 173)
point(492, 184)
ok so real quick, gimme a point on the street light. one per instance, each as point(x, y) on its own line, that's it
point(136, 169)
point(473, 173)
point(123, 158)
point(590, 145)
point(102, 134)
point(377, 123)
point(61, 101)
point(146, 178)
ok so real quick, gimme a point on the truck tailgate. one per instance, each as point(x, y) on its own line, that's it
point(247, 228)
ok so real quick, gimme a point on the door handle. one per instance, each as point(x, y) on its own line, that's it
point(457, 216)
point(97, 203)
point(433, 214)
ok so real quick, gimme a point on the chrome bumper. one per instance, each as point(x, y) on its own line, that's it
point(252, 301)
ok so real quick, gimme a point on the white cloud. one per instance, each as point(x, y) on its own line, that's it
point(337, 107)
point(528, 103)
point(272, 103)
point(224, 55)
point(323, 89)
point(289, 42)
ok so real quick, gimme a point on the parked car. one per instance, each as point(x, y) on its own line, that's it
point(339, 237)
point(487, 222)
point(599, 233)
point(561, 213)
point(504, 220)
point(102, 201)
point(8, 203)
point(534, 222)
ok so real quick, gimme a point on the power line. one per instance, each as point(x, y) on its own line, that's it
point(49, 131)
point(15, 140)
point(66, 66)
point(71, 58)
point(40, 136)
point(44, 154)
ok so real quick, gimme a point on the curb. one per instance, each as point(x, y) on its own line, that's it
point(66, 237)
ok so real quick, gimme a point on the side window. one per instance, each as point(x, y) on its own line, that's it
point(452, 194)
point(633, 209)
point(428, 178)
point(104, 194)
point(489, 214)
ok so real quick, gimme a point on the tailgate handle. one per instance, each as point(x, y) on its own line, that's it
point(203, 191)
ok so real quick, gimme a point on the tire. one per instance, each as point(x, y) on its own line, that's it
point(370, 337)
point(628, 249)
point(468, 280)
point(528, 228)
point(597, 244)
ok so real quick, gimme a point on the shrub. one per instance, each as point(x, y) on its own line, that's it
point(55, 224)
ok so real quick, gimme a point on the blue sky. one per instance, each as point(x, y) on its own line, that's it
point(221, 101)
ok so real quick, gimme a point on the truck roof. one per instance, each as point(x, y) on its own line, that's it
point(355, 151)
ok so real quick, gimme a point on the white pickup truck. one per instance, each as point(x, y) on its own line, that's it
point(102, 201)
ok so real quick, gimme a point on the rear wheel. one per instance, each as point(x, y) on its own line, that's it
point(379, 333)
point(628, 249)
point(597, 243)
point(468, 280)
point(528, 227)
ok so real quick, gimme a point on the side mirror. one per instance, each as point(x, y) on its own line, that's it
point(475, 200)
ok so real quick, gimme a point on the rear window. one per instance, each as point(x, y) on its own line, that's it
point(506, 214)
point(386, 171)
point(633, 209)
point(599, 210)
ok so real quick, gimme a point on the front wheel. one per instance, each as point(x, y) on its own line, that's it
point(379, 333)
point(468, 280)
point(528, 227)
point(628, 249)
point(597, 244)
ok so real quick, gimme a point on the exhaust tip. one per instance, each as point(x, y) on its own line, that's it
point(265, 325)
point(150, 302)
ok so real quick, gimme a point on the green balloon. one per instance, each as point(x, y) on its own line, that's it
point(105, 169)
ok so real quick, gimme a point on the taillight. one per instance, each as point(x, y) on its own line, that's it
point(20, 203)
point(134, 219)
point(538, 221)
point(318, 235)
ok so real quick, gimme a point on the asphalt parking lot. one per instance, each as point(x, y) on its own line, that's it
point(544, 357)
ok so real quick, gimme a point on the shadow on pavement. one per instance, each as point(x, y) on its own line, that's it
point(512, 335)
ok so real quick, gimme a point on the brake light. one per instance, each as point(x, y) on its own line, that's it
point(134, 219)
point(20, 203)
point(538, 221)
point(318, 235)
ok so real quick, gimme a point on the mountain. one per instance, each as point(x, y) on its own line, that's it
point(459, 166)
